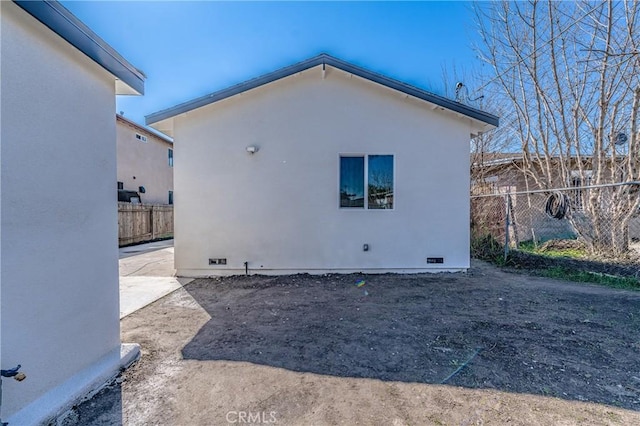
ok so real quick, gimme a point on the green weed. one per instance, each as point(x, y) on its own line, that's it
point(613, 281)
point(571, 252)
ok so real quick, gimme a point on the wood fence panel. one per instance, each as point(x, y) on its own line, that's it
point(143, 222)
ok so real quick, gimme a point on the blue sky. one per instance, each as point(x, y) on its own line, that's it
point(189, 49)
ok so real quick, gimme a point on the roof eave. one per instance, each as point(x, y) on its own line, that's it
point(61, 21)
point(149, 130)
point(231, 91)
point(414, 91)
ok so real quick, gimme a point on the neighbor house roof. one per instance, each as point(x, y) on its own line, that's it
point(149, 130)
point(324, 59)
point(494, 158)
point(58, 19)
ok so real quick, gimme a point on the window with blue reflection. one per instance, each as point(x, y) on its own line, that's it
point(352, 182)
point(366, 174)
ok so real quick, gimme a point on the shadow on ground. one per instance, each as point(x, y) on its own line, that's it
point(103, 409)
point(535, 336)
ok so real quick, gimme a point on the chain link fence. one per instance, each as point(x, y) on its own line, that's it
point(596, 223)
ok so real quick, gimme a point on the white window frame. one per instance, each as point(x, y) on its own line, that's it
point(366, 181)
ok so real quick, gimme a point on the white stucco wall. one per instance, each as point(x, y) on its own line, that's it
point(278, 209)
point(147, 161)
point(59, 282)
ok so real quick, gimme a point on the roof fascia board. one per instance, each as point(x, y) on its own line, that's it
point(323, 59)
point(499, 162)
point(57, 18)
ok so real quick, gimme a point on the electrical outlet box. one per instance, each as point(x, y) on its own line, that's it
point(221, 261)
point(435, 259)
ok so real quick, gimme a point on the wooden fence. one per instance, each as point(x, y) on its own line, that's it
point(143, 222)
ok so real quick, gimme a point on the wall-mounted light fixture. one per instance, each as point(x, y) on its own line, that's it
point(252, 149)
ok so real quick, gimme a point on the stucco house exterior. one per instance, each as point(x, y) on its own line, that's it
point(59, 295)
point(322, 166)
point(145, 161)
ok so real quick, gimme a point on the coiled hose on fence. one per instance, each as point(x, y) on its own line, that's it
point(557, 205)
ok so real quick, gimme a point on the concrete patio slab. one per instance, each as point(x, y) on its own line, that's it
point(146, 275)
point(137, 292)
point(158, 263)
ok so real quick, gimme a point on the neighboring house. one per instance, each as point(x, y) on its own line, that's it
point(59, 293)
point(502, 173)
point(505, 172)
point(145, 162)
point(319, 167)
point(497, 173)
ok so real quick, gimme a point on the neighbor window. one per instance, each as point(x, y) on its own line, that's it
point(170, 197)
point(366, 181)
point(170, 157)
point(120, 185)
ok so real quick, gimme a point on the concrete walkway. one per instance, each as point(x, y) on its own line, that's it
point(146, 275)
point(144, 248)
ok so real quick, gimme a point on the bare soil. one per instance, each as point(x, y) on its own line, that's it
point(319, 350)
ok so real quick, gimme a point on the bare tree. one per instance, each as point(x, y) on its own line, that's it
point(464, 86)
point(570, 72)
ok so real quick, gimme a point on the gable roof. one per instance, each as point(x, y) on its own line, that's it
point(64, 23)
point(323, 59)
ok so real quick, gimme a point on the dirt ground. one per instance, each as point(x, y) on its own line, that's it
point(319, 350)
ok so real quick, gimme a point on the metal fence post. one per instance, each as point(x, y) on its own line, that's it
point(507, 210)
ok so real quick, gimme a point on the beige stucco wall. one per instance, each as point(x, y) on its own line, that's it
point(59, 281)
point(147, 162)
point(278, 209)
